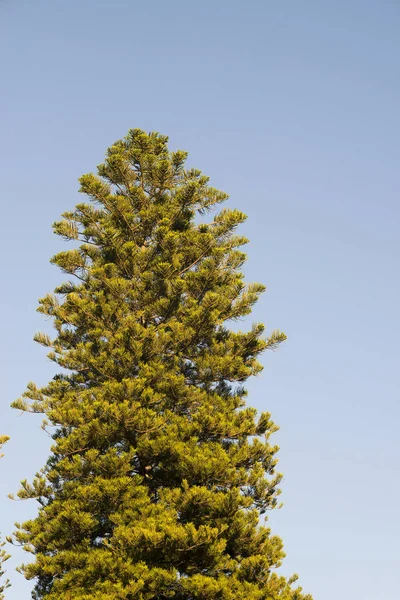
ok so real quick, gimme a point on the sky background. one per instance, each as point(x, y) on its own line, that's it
point(292, 108)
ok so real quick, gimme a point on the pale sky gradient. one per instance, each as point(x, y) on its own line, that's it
point(293, 108)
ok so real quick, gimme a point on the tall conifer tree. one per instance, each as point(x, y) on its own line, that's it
point(159, 472)
point(4, 584)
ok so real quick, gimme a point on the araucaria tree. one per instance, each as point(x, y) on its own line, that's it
point(159, 472)
point(4, 584)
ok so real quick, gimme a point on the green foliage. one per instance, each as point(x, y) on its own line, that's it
point(3, 554)
point(3, 440)
point(159, 471)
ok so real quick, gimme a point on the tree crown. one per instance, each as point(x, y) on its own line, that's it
point(159, 471)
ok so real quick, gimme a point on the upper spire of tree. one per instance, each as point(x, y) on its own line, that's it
point(158, 472)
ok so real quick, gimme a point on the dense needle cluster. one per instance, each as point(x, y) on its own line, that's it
point(159, 472)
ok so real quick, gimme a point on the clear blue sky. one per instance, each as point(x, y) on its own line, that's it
point(293, 108)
